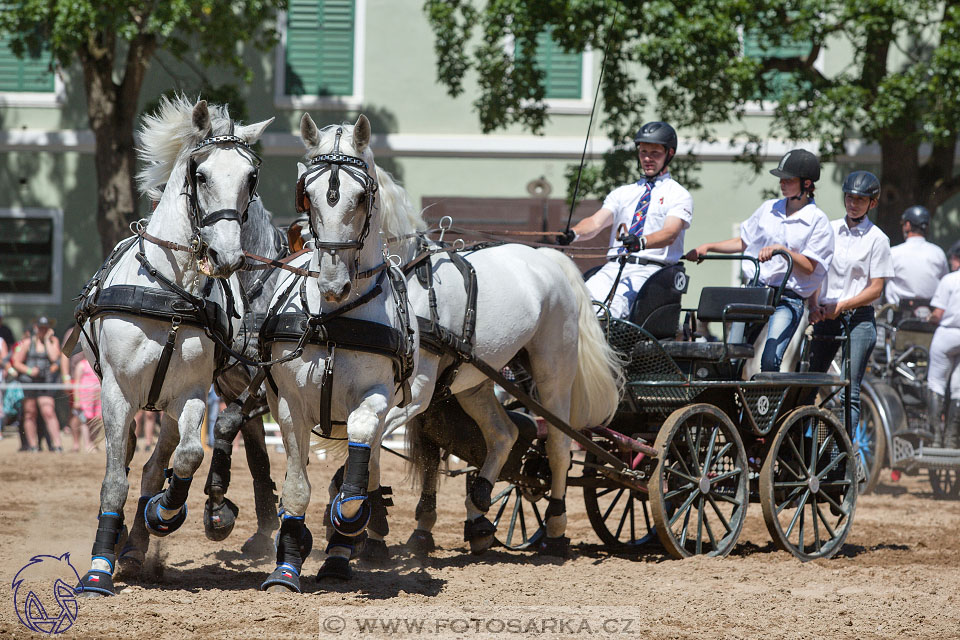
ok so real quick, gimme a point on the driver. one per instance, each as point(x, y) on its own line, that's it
point(918, 265)
point(650, 215)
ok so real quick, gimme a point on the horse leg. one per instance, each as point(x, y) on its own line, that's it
point(379, 496)
point(294, 541)
point(117, 416)
point(219, 513)
point(421, 540)
point(350, 509)
point(134, 551)
point(264, 490)
point(166, 512)
point(499, 434)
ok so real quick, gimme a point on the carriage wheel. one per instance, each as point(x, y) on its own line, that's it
point(871, 441)
point(808, 484)
point(620, 516)
point(518, 521)
point(699, 492)
point(945, 483)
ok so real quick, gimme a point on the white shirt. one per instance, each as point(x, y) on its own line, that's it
point(947, 297)
point(667, 199)
point(859, 255)
point(918, 267)
point(807, 232)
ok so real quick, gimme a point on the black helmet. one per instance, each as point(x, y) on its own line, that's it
point(954, 251)
point(862, 183)
point(657, 133)
point(917, 216)
point(798, 163)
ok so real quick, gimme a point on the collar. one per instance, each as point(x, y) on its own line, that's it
point(859, 230)
point(663, 176)
point(916, 240)
point(780, 208)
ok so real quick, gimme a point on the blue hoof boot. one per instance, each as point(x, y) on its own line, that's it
point(353, 526)
point(94, 584)
point(218, 520)
point(554, 547)
point(336, 568)
point(283, 578)
point(157, 525)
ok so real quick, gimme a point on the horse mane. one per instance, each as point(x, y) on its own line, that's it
point(398, 216)
point(168, 134)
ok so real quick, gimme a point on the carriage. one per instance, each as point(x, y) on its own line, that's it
point(693, 443)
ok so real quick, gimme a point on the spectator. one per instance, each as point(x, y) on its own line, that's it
point(37, 360)
point(6, 334)
point(86, 404)
point(146, 425)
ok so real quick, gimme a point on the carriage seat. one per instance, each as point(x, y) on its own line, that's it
point(656, 308)
point(913, 332)
point(725, 304)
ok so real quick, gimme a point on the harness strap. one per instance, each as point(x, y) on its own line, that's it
point(326, 394)
point(161, 373)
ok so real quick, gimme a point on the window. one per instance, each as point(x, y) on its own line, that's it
point(27, 82)
point(563, 71)
point(321, 53)
point(31, 255)
point(777, 81)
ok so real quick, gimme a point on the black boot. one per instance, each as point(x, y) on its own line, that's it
point(951, 437)
point(935, 414)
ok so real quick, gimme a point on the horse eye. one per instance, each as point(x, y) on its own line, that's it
point(201, 179)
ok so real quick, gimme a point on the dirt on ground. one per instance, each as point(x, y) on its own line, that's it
point(897, 576)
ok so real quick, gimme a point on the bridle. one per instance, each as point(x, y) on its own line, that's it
point(357, 169)
point(200, 219)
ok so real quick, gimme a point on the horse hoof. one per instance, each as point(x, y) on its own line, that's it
point(554, 547)
point(479, 545)
point(94, 584)
point(282, 580)
point(128, 567)
point(156, 525)
point(479, 533)
point(218, 520)
point(258, 546)
point(421, 542)
point(336, 568)
point(375, 552)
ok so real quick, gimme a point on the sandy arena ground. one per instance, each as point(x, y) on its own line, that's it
point(898, 575)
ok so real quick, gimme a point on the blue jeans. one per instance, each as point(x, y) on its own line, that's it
point(863, 337)
point(780, 329)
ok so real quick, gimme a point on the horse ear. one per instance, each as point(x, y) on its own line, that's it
point(361, 134)
point(301, 169)
point(251, 133)
point(309, 132)
point(201, 118)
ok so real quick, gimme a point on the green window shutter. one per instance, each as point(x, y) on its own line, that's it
point(777, 81)
point(319, 55)
point(563, 71)
point(28, 74)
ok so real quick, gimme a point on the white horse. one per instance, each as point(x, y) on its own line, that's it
point(350, 310)
point(530, 300)
point(148, 312)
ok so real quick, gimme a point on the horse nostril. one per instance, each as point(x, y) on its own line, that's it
point(345, 292)
point(213, 255)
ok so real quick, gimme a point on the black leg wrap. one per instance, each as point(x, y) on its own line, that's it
point(220, 461)
point(555, 507)
point(97, 582)
point(479, 528)
point(176, 494)
point(336, 568)
point(480, 490)
point(357, 472)
point(294, 543)
point(380, 500)
point(427, 504)
point(265, 498)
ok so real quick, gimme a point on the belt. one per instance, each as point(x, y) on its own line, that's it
point(638, 260)
point(790, 293)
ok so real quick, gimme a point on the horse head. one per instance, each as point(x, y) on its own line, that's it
point(338, 188)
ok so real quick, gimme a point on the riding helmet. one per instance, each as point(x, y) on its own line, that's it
point(917, 216)
point(862, 183)
point(798, 163)
point(657, 133)
point(954, 251)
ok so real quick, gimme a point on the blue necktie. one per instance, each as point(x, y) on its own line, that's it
point(640, 215)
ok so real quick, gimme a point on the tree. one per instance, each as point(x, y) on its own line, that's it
point(893, 78)
point(114, 42)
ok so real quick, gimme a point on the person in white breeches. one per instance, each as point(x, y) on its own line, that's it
point(944, 363)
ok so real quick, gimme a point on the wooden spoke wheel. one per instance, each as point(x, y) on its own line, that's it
point(945, 483)
point(808, 484)
point(699, 490)
point(620, 516)
point(871, 442)
point(518, 520)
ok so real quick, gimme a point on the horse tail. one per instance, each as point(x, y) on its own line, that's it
point(596, 389)
point(334, 447)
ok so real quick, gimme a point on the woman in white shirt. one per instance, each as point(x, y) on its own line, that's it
point(945, 361)
point(861, 265)
point(793, 224)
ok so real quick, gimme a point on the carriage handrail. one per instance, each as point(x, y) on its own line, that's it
point(756, 274)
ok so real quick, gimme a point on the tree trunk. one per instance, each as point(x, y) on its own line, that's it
point(900, 179)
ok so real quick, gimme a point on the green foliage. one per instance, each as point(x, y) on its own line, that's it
point(102, 29)
point(897, 81)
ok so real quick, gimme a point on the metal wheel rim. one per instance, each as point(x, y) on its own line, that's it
point(625, 511)
point(945, 483)
point(871, 442)
point(809, 518)
point(699, 490)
